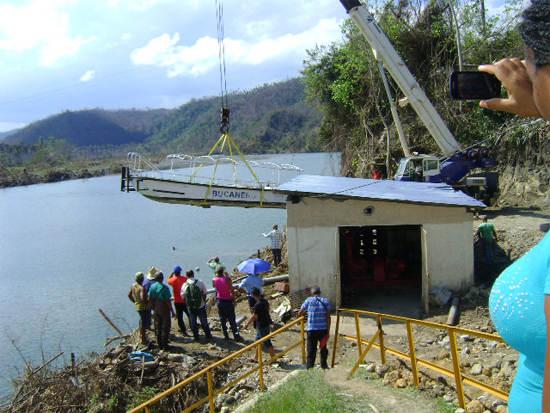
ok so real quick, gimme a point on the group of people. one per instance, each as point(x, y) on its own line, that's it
point(149, 292)
point(189, 297)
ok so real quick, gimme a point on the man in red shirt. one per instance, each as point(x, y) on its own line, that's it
point(176, 280)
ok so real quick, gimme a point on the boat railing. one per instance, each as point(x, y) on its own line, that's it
point(136, 163)
point(202, 169)
point(205, 169)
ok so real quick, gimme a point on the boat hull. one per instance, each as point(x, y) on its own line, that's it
point(163, 190)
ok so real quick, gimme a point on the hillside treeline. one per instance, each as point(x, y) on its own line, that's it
point(344, 82)
point(268, 119)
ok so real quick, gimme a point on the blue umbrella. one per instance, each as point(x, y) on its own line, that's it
point(254, 266)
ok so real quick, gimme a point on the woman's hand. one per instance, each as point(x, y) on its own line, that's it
point(513, 75)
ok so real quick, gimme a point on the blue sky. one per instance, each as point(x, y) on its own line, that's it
point(58, 55)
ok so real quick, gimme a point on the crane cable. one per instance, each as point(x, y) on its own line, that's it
point(225, 139)
point(224, 124)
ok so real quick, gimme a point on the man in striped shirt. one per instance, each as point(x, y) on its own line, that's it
point(276, 243)
point(318, 326)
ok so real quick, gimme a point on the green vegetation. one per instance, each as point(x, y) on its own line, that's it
point(141, 396)
point(307, 392)
point(268, 119)
point(344, 81)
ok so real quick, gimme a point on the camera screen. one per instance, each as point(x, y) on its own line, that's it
point(474, 85)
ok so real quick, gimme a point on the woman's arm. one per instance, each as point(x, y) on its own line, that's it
point(513, 75)
point(546, 386)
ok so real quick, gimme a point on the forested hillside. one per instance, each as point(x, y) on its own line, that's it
point(269, 118)
point(344, 81)
point(93, 127)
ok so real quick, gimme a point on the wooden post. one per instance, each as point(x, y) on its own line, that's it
point(412, 352)
point(261, 362)
point(358, 332)
point(110, 322)
point(303, 333)
point(335, 345)
point(210, 391)
point(456, 367)
point(381, 340)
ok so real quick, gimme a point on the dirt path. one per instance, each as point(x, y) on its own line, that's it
point(374, 397)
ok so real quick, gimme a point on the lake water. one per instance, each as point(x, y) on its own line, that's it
point(70, 248)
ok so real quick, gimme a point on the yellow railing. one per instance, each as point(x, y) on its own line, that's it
point(460, 378)
point(208, 371)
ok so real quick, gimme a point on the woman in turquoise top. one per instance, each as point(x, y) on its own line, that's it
point(520, 298)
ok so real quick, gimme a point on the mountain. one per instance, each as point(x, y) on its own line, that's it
point(4, 135)
point(268, 118)
point(93, 127)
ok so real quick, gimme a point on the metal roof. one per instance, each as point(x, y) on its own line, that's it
point(385, 190)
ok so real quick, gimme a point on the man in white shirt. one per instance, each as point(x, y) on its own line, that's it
point(276, 243)
point(194, 293)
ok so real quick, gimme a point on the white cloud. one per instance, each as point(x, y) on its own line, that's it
point(126, 36)
point(89, 75)
point(135, 4)
point(8, 126)
point(38, 26)
point(197, 59)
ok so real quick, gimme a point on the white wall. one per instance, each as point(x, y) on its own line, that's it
point(312, 230)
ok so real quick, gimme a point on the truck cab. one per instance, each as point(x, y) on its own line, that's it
point(420, 168)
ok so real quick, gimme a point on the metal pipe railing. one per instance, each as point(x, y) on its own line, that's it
point(460, 378)
point(212, 393)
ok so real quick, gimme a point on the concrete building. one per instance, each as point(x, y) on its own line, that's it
point(350, 235)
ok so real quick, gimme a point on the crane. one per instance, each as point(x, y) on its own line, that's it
point(456, 167)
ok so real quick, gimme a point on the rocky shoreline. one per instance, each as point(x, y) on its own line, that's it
point(84, 170)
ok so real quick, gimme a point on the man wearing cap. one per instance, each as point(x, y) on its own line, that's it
point(276, 243)
point(318, 326)
point(138, 296)
point(262, 322)
point(160, 300)
point(176, 280)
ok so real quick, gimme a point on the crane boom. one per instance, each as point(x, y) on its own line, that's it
point(384, 51)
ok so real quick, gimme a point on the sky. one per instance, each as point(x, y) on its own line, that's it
point(58, 55)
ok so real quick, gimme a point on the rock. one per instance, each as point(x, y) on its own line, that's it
point(225, 409)
point(460, 411)
point(443, 354)
point(381, 369)
point(476, 369)
point(445, 341)
point(225, 399)
point(501, 409)
point(475, 406)
point(401, 383)
point(391, 377)
point(487, 372)
point(371, 368)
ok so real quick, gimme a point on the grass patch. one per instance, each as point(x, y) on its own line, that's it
point(307, 392)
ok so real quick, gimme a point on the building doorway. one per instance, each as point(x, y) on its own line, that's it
point(375, 259)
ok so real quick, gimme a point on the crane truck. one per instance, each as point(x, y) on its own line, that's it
point(457, 167)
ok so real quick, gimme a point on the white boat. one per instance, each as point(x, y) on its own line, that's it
point(203, 181)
